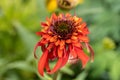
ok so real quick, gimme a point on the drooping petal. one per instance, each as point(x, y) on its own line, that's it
point(43, 48)
point(51, 55)
point(42, 62)
point(50, 46)
point(82, 56)
point(55, 51)
point(36, 46)
point(65, 58)
point(72, 51)
point(57, 66)
point(47, 67)
point(89, 48)
point(44, 41)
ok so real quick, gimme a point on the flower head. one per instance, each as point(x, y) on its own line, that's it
point(63, 37)
point(68, 4)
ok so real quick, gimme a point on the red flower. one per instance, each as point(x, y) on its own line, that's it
point(62, 37)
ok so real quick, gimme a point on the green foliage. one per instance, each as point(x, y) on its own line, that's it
point(20, 19)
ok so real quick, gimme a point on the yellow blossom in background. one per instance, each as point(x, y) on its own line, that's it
point(51, 5)
point(81, 1)
point(108, 43)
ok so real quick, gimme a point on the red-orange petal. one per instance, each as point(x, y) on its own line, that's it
point(42, 62)
point(43, 48)
point(60, 16)
point(84, 38)
point(65, 58)
point(44, 24)
point(47, 65)
point(60, 52)
point(83, 25)
point(50, 46)
point(67, 15)
point(36, 46)
point(72, 51)
point(48, 20)
point(78, 20)
point(82, 56)
point(68, 41)
point(62, 42)
point(57, 42)
point(53, 39)
point(85, 31)
point(74, 38)
point(54, 17)
point(39, 33)
point(57, 66)
point(55, 51)
point(77, 44)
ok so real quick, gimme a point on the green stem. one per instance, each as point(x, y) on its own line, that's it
point(55, 75)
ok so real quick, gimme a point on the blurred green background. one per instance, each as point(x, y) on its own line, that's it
point(20, 20)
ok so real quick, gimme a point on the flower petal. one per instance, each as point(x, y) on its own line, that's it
point(67, 15)
point(44, 24)
point(65, 58)
point(36, 46)
point(89, 48)
point(43, 48)
point(39, 33)
point(57, 42)
point(83, 38)
point(55, 51)
point(54, 17)
point(47, 65)
point(82, 56)
point(42, 62)
point(57, 66)
point(72, 51)
point(85, 31)
point(60, 52)
point(83, 25)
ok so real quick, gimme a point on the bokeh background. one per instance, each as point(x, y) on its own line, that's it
point(20, 20)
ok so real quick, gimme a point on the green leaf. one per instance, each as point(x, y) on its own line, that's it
point(81, 76)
